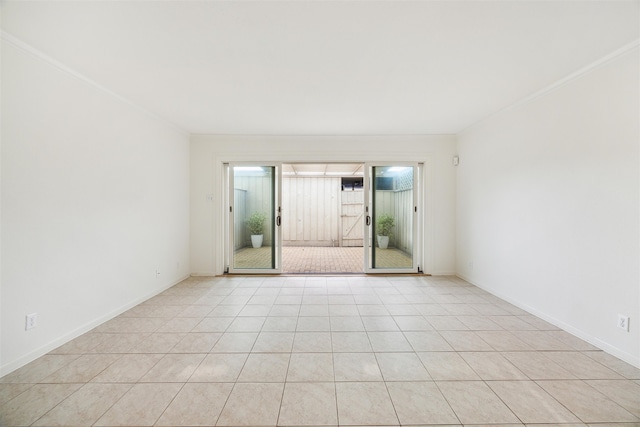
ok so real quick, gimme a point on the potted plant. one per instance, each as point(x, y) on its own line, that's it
point(255, 224)
point(384, 224)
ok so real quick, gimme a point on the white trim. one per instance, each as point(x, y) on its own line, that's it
point(41, 351)
point(563, 81)
point(620, 354)
point(19, 44)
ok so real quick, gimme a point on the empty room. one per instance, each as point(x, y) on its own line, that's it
point(320, 213)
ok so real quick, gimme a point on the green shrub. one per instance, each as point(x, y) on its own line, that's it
point(255, 223)
point(384, 224)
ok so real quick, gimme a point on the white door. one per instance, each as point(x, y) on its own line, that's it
point(391, 217)
point(255, 216)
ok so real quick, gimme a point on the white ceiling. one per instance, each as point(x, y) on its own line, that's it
point(324, 67)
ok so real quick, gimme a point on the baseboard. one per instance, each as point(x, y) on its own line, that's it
point(602, 345)
point(33, 355)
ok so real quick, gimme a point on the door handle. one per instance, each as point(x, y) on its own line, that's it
point(278, 220)
point(368, 220)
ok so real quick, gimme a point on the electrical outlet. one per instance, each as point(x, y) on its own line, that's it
point(623, 322)
point(470, 265)
point(157, 273)
point(31, 321)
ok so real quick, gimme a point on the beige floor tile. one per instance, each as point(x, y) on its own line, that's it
point(83, 369)
point(280, 324)
point(543, 341)
point(624, 392)
point(447, 366)
point(427, 341)
point(343, 310)
point(142, 405)
point(82, 344)
point(246, 324)
point(230, 311)
point(389, 342)
point(313, 324)
point(308, 404)
point(198, 311)
point(431, 310)
point(420, 403)
point(537, 366)
point(465, 341)
point(446, 323)
point(511, 323)
point(356, 367)
point(8, 391)
point(582, 366)
point(125, 325)
point(289, 300)
point(255, 311)
point(519, 397)
point(119, 343)
point(274, 342)
point(572, 341)
point(504, 341)
point(361, 404)
point(412, 323)
point(288, 310)
point(235, 342)
point(85, 406)
point(128, 369)
point(370, 306)
point(350, 342)
point(536, 322)
point(314, 297)
point(252, 405)
point(475, 403)
point(40, 368)
point(312, 342)
point(180, 324)
point(265, 368)
point(346, 323)
point(26, 408)
point(197, 404)
point(479, 323)
point(492, 366)
point(197, 342)
point(158, 343)
point(379, 323)
point(310, 367)
point(222, 367)
point(586, 402)
point(626, 370)
point(213, 324)
point(401, 367)
point(173, 368)
point(314, 310)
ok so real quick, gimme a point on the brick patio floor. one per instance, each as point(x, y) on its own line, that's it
point(307, 259)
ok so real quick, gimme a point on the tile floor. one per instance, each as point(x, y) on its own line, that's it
point(322, 351)
point(310, 259)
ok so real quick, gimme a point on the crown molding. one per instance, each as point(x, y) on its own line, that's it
point(27, 48)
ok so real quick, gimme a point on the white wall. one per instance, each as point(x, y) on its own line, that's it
point(95, 197)
point(548, 205)
point(208, 152)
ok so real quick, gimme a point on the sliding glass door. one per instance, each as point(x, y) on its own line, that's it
point(391, 211)
point(254, 218)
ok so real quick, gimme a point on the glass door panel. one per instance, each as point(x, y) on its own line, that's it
point(254, 193)
point(391, 210)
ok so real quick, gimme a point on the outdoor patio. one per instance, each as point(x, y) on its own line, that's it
point(308, 259)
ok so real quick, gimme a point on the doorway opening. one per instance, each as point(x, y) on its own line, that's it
point(323, 217)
